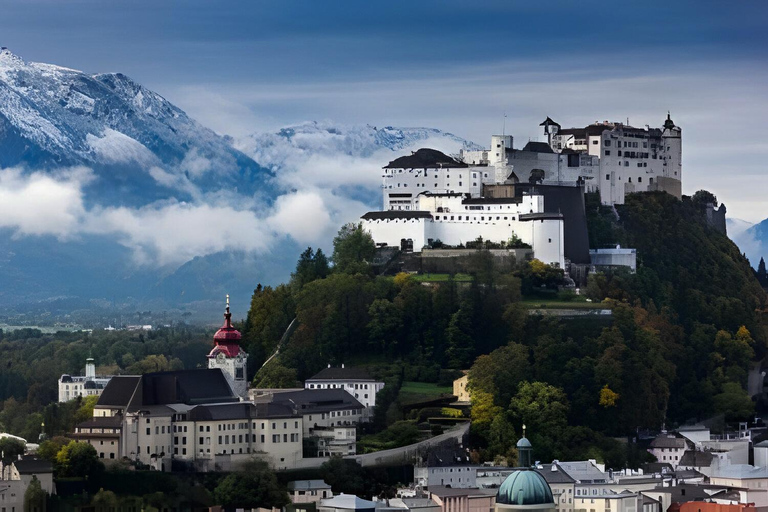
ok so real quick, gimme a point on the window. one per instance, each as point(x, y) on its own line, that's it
point(607, 152)
point(594, 142)
point(275, 438)
point(639, 179)
point(608, 176)
point(607, 143)
point(148, 430)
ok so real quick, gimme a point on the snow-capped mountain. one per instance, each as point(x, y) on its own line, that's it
point(108, 190)
point(51, 116)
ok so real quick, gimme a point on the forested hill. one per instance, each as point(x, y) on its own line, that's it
point(684, 331)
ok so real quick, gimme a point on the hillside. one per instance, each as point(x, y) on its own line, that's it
point(684, 331)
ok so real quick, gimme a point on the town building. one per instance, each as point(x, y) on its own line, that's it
point(330, 419)
point(309, 491)
point(346, 502)
point(356, 381)
point(228, 355)
point(463, 500)
point(16, 477)
point(629, 159)
point(90, 384)
point(460, 390)
point(669, 448)
point(447, 466)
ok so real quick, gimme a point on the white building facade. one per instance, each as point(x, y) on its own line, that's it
point(90, 384)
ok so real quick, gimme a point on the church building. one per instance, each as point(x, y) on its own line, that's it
point(228, 356)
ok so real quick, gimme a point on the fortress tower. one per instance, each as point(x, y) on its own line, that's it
point(228, 356)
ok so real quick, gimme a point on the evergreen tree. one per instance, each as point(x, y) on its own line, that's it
point(762, 275)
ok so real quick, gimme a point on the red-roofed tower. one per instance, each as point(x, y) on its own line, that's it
point(228, 356)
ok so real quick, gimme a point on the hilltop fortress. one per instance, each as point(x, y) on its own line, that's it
point(532, 196)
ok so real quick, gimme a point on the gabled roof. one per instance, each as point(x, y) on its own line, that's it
point(554, 474)
point(348, 502)
point(102, 422)
point(163, 388)
point(351, 373)
point(425, 158)
point(119, 391)
point(668, 441)
point(538, 147)
point(183, 386)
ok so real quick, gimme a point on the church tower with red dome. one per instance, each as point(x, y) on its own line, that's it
point(228, 356)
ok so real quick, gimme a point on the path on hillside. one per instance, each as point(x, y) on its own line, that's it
point(287, 334)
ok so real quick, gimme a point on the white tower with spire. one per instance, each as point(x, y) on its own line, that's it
point(229, 357)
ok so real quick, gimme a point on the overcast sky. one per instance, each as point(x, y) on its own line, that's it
point(249, 66)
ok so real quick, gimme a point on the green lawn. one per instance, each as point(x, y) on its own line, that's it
point(439, 278)
point(415, 391)
point(561, 304)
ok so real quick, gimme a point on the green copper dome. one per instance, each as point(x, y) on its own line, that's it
point(525, 487)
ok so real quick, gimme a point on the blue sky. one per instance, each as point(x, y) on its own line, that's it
point(248, 66)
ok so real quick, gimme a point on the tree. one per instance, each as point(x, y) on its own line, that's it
point(608, 397)
point(311, 265)
point(35, 497)
point(275, 375)
point(79, 459)
point(762, 275)
point(255, 486)
point(734, 402)
point(104, 501)
point(353, 249)
point(11, 449)
point(703, 197)
point(50, 448)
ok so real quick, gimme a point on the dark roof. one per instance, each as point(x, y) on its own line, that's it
point(424, 158)
point(28, 465)
point(652, 468)
point(538, 147)
point(351, 373)
point(102, 422)
point(184, 387)
point(492, 200)
point(119, 391)
point(541, 216)
point(554, 474)
point(397, 214)
point(549, 121)
point(569, 201)
point(239, 410)
point(682, 493)
point(696, 459)
point(309, 401)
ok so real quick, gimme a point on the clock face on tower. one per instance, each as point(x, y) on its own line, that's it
point(220, 357)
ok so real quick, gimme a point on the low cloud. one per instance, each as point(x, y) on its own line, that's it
point(43, 204)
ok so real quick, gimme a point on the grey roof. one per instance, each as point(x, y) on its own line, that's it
point(740, 471)
point(762, 444)
point(350, 373)
point(29, 465)
point(657, 467)
point(583, 472)
point(310, 401)
point(119, 391)
point(183, 386)
point(668, 441)
point(424, 158)
point(307, 485)
point(241, 410)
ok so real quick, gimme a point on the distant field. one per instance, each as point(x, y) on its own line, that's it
point(438, 278)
